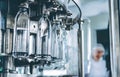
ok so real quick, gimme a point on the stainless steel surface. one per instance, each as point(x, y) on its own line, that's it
point(1, 41)
point(9, 63)
point(2, 20)
point(114, 38)
point(80, 54)
point(33, 27)
point(8, 40)
point(33, 37)
point(9, 35)
point(37, 45)
point(32, 44)
point(2, 27)
point(10, 22)
point(24, 75)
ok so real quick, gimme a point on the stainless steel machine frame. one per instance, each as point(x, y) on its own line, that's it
point(11, 61)
point(114, 27)
point(114, 37)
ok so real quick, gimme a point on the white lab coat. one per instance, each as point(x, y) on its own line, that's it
point(98, 68)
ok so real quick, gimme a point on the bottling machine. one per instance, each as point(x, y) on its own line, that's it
point(34, 40)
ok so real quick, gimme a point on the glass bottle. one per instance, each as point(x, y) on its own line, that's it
point(21, 32)
point(44, 37)
point(59, 45)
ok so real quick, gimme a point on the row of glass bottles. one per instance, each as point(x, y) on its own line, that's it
point(50, 40)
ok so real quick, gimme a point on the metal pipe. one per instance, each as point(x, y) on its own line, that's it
point(2, 28)
point(80, 60)
point(114, 38)
point(1, 41)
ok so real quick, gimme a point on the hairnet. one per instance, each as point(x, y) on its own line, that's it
point(100, 47)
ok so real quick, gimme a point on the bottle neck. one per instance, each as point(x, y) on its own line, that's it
point(23, 9)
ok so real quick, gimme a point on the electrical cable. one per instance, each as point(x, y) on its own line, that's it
point(80, 14)
point(78, 8)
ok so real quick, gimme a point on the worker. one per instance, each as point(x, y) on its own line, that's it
point(98, 64)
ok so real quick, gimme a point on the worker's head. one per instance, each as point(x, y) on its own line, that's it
point(98, 52)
